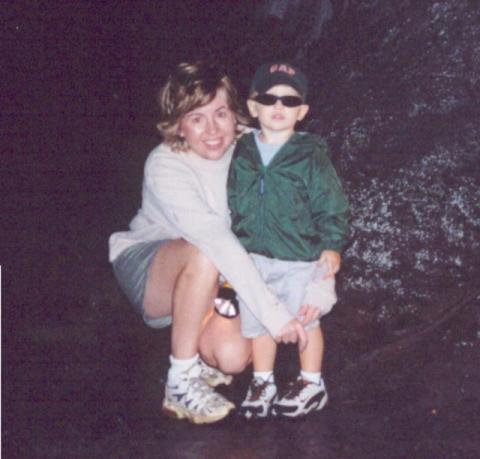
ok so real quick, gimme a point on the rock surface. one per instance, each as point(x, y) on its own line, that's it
point(399, 105)
point(395, 89)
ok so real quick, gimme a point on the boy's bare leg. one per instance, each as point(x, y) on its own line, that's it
point(262, 391)
point(308, 393)
point(264, 350)
point(311, 358)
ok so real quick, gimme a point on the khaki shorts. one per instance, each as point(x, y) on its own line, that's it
point(288, 280)
point(131, 269)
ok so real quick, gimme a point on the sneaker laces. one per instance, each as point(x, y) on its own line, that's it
point(208, 370)
point(295, 388)
point(258, 388)
point(198, 388)
point(207, 399)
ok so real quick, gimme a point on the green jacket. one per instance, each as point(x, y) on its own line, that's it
point(292, 209)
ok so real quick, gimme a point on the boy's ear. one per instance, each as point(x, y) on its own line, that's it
point(303, 112)
point(252, 108)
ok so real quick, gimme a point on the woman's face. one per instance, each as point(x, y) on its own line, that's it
point(209, 130)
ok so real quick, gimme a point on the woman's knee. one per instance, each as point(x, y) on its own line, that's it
point(177, 265)
point(199, 266)
point(234, 363)
point(234, 355)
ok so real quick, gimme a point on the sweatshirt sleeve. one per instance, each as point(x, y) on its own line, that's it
point(320, 292)
point(176, 194)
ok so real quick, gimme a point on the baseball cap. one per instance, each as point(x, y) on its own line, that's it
point(275, 73)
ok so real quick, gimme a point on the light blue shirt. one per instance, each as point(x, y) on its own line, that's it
point(267, 150)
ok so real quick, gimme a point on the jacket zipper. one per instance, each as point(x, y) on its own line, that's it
point(261, 192)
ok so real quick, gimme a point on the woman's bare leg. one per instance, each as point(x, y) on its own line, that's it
point(182, 282)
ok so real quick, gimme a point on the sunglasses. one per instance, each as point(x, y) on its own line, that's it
point(270, 99)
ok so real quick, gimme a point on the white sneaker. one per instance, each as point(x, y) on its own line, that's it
point(302, 397)
point(193, 399)
point(212, 376)
point(258, 402)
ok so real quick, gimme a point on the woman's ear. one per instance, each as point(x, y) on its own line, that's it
point(252, 108)
point(180, 131)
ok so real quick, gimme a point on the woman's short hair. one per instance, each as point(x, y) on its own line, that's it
point(192, 85)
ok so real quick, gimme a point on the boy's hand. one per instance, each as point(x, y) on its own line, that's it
point(333, 260)
point(308, 313)
point(293, 332)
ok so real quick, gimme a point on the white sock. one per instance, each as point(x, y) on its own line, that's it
point(178, 366)
point(311, 377)
point(264, 375)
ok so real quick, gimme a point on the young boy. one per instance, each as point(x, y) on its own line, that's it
point(290, 213)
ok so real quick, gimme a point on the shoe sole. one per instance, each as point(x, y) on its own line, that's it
point(226, 380)
point(250, 415)
point(320, 407)
point(176, 412)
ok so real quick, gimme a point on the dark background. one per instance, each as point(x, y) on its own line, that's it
point(394, 89)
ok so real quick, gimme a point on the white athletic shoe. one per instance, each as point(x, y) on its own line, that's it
point(258, 402)
point(212, 376)
point(302, 397)
point(193, 399)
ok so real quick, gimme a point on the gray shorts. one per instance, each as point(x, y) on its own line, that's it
point(131, 269)
point(288, 280)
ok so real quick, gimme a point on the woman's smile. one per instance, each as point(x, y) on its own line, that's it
point(210, 129)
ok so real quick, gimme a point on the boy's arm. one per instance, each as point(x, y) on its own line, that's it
point(332, 260)
point(319, 296)
point(330, 208)
point(330, 211)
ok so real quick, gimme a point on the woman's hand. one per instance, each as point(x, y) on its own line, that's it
point(333, 260)
point(308, 313)
point(293, 332)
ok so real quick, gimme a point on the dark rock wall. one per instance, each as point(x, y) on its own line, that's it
point(395, 89)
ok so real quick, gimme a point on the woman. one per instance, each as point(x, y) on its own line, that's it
point(168, 263)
